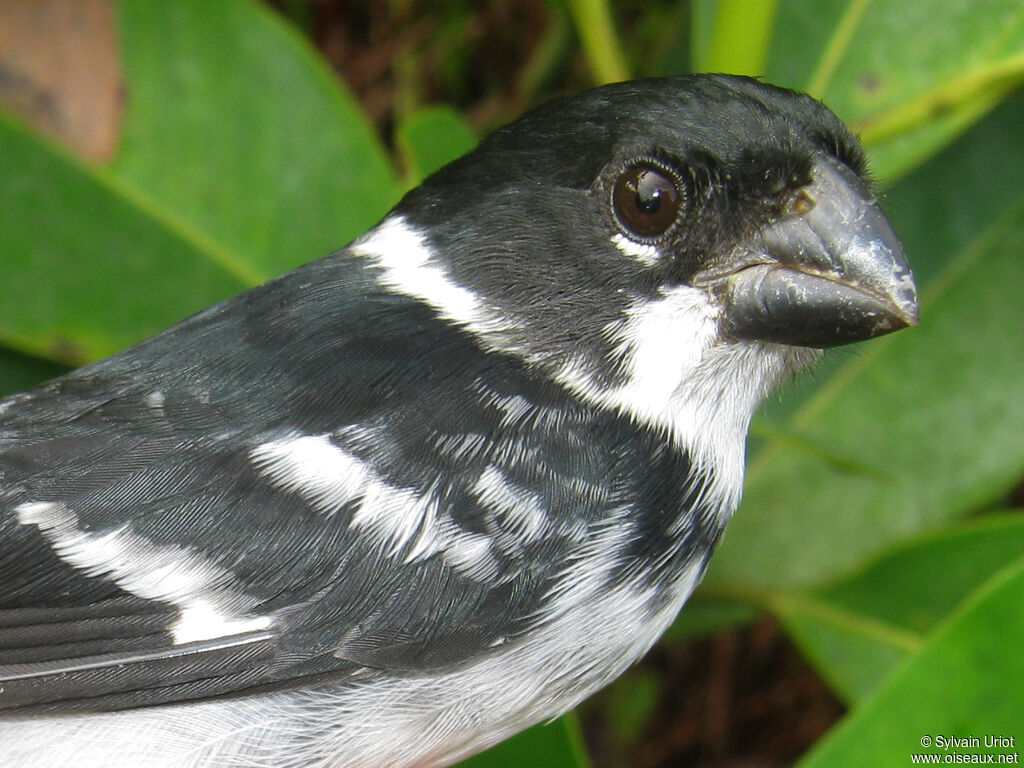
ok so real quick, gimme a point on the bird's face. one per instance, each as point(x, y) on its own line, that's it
point(673, 248)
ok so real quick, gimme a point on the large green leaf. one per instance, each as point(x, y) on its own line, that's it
point(908, 76)
point(859, 628)
point(964, 682)
point(945, 206)
point(241, 156)
point(86, 268)
point(235, 125)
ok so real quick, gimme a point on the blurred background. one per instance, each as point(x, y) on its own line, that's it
point(156, 157)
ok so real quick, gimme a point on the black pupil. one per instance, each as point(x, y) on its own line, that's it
point(650, 189)
point(646, 201)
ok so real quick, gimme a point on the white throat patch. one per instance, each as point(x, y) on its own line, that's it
point(661, 342)
point(680, 379)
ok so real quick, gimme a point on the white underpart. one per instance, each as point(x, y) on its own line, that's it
point(379, 721)
point(409, 267)
point(200, 590)
point(329, 477)
point(645, 253)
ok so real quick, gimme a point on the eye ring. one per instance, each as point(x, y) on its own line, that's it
point(646, 199)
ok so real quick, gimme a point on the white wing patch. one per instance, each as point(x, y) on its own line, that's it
point(521, 510)
point(403, 521)
point(313, 467)
point(201, 591)
point(155, 400)
point(329, 477)
point(471, 554)
point(591, 567)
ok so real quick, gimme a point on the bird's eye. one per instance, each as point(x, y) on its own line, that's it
point(646, 200)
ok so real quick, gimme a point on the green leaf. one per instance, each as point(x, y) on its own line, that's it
point(859, 628)
point(740, 35)
point(86, 268)
point(809, 35)
point(558, 745)
point(236, 126)
point(240, 157)
point(430, 138)
point(702, 21)
point(631, 704)
point(917, 428)
point(596, 28)
point(907, 139)
point(852, 653)
point(907, 93)
point(706, 615)
point(945, 206)
point(965, 681)
point(19, 372)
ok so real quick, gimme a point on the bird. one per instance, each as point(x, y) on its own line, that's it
point(446, 482)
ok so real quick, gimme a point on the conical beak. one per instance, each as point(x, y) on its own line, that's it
point(831, 272)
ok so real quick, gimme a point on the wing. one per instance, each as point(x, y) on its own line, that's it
point(314, 477)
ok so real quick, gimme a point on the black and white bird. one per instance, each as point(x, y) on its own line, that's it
point(407, 500)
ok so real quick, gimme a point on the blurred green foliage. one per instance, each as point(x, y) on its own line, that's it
point(870, 523)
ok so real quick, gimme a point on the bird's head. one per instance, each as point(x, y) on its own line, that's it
point(673, 247)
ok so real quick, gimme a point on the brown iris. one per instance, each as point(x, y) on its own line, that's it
point(646, 200)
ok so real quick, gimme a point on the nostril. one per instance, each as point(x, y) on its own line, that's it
point(801, 203)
